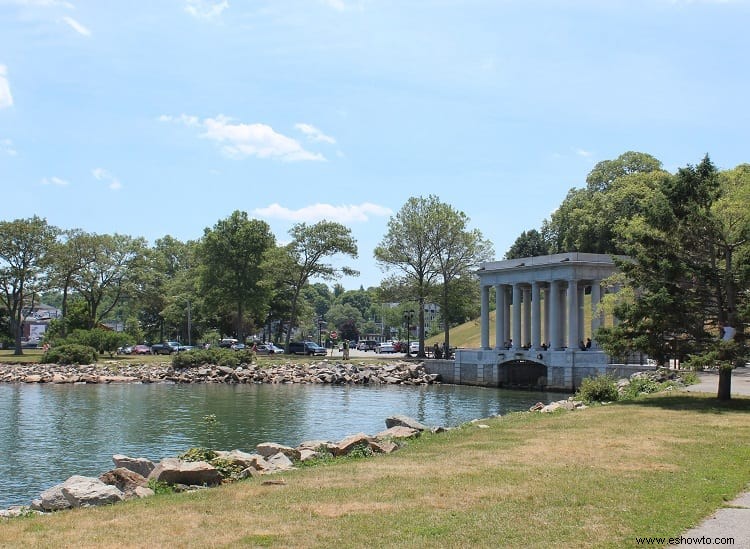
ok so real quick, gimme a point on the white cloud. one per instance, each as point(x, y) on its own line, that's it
point(54, 181)
point(100, 174)
point(6, 147)
point(205, 9)
point(314, 134)
point(76, 26)
point(240, 140)
point(6, 99)
point(583, 153)
point(317, 212)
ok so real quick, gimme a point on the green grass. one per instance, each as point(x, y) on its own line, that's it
point(595, 478)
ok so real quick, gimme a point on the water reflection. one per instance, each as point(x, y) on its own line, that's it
point(50, 432)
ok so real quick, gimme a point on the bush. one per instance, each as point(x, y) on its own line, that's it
point(71, 353)
point(598, 389)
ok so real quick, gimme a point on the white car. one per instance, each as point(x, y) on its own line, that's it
point(414, 347)
point(385, 347)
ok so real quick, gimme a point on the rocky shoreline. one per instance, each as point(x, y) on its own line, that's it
point(324, 371)
point(200, 468)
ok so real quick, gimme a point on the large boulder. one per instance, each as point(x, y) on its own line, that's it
point(268, 449)
point(52, 499)
point(396, 432)
point(345, 446)
point(89, 492)
point(176, 471)
point(404, 421)
point(279, 462)
point(124, 480)
point(238, 457)
point(142, 466)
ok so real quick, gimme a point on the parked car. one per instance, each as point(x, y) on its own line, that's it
point(414, 347)
point(165, 348)
point(306, 348)
point(228, 342)
point(238, 346)
point(269, 349)
point(385, 347)
point(367, 345)
point(125, 350)
point(141, 350)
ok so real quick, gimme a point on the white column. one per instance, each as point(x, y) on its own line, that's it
point(499, 315)
point(536, 313)
point(485, 314)
point(596, 315)
point(516, 316)
point(526, 331)
point(553, 296)
point(547, 293)
point(581, 321)
point(572, 315)
point(506, 314)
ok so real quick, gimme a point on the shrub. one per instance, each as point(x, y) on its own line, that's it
point(220, 357)
point(598, 389)
point(71, 353)
point(198, 454)
point(160, 487)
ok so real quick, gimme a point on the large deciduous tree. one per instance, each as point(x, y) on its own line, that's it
point(457, 252)
point(109, 266)
point(231, 271)
point(304, 258)
point(429, 246)
point(24, 245)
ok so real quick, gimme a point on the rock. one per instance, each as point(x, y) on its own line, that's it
point(279, 462)
point(124, 480)
point(345, 446)
point(267, 449)
point(176, 471)
point(314, 445)
point(238, 457)
point(142, 466)
point(306, 454)
point(399, 431)
point(89, 492)
point(18, 511)
point(143, 492)
point(383, 446)
point(405, 421)
point(52, 499)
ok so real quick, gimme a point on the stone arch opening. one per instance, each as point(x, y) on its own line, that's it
point(522, 374)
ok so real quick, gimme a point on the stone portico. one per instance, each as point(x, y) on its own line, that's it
point(539, 324)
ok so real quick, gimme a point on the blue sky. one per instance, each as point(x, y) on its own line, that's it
point(157, 118)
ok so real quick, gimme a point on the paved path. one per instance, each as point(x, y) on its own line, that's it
point(732, 520)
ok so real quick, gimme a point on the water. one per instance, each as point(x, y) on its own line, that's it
point(49, 432)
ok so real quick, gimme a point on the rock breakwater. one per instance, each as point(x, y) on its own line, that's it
point(400, 372)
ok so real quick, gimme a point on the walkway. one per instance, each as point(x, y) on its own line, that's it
point(732, 520)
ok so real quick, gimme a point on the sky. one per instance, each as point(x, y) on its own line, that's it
point(162, 118)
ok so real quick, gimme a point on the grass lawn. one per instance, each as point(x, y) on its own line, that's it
point(593, 478)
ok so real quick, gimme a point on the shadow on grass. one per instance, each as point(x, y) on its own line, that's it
point(692, 402)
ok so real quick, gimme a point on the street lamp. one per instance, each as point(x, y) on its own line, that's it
point(321, 323)
point(408, 316)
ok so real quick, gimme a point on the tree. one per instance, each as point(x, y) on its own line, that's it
point(683, 275)
point(528, 244)
point(457, 252)
point(608, 171)
point(304, 260)
point(109, 267)
point(68, 258)
point(24, 245)
point(231, 256)
point(409, 248)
